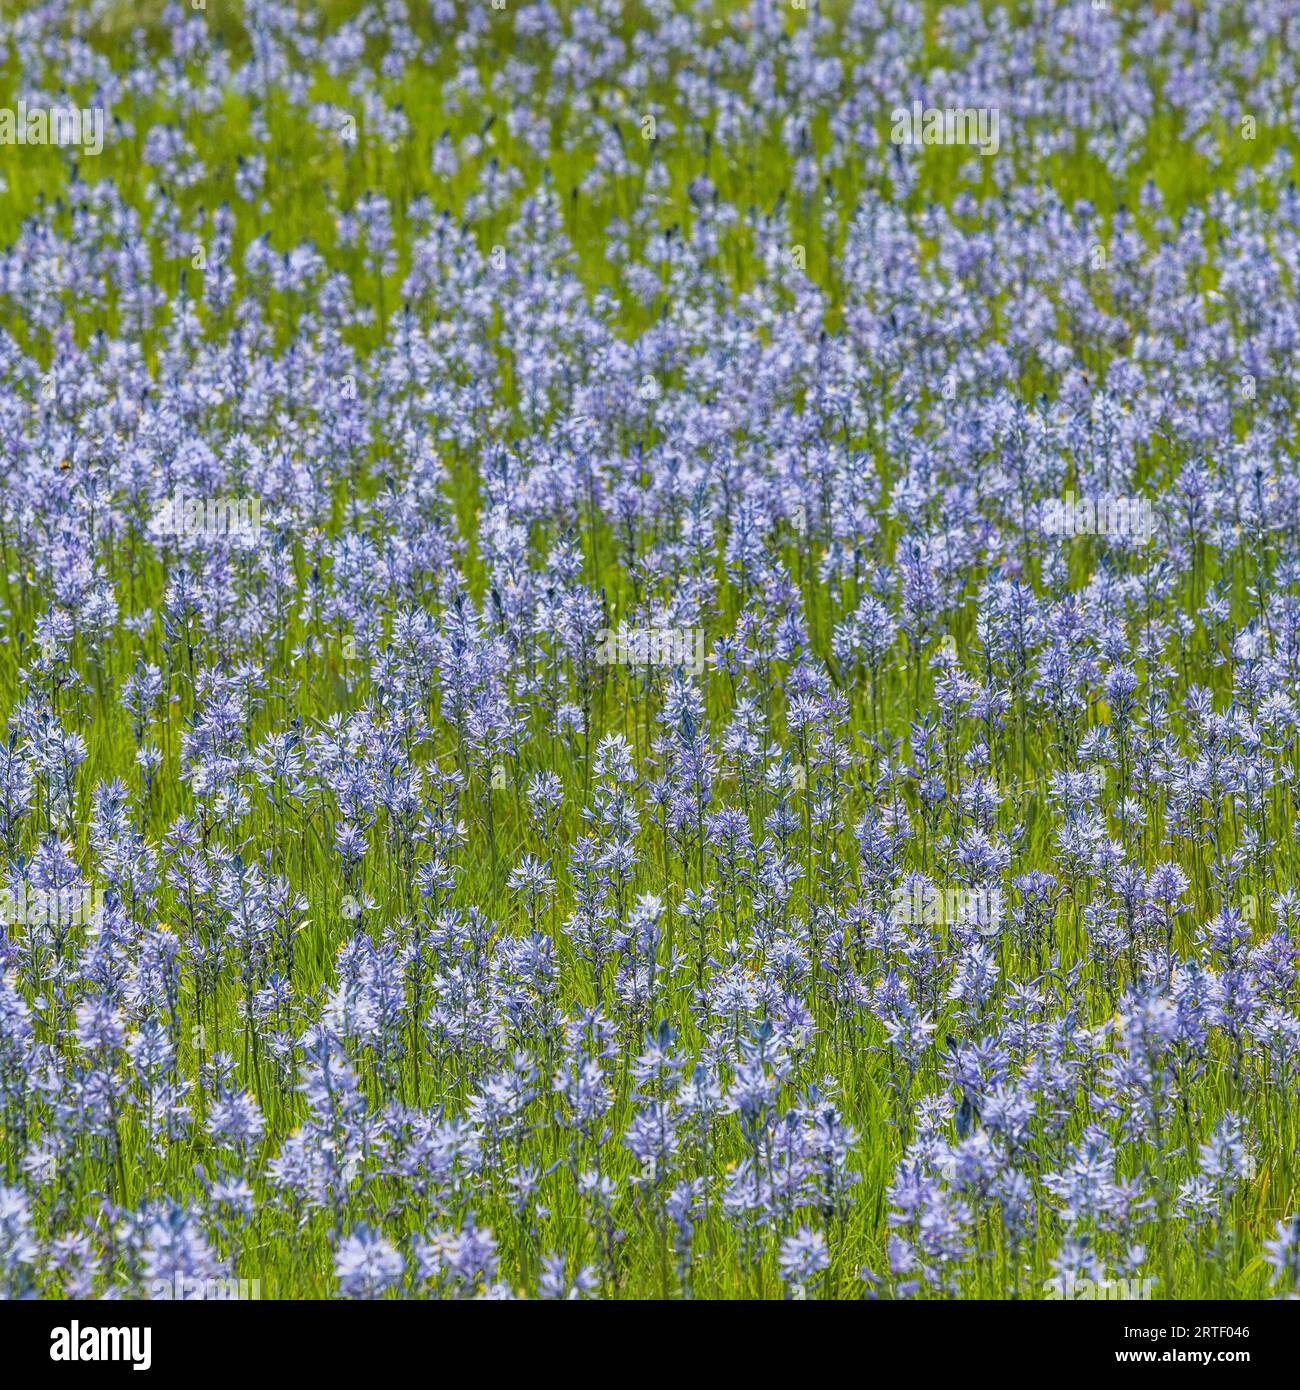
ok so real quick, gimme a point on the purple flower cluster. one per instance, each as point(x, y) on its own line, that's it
point(434, 952)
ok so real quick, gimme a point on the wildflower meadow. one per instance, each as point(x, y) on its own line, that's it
point(649, 649)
